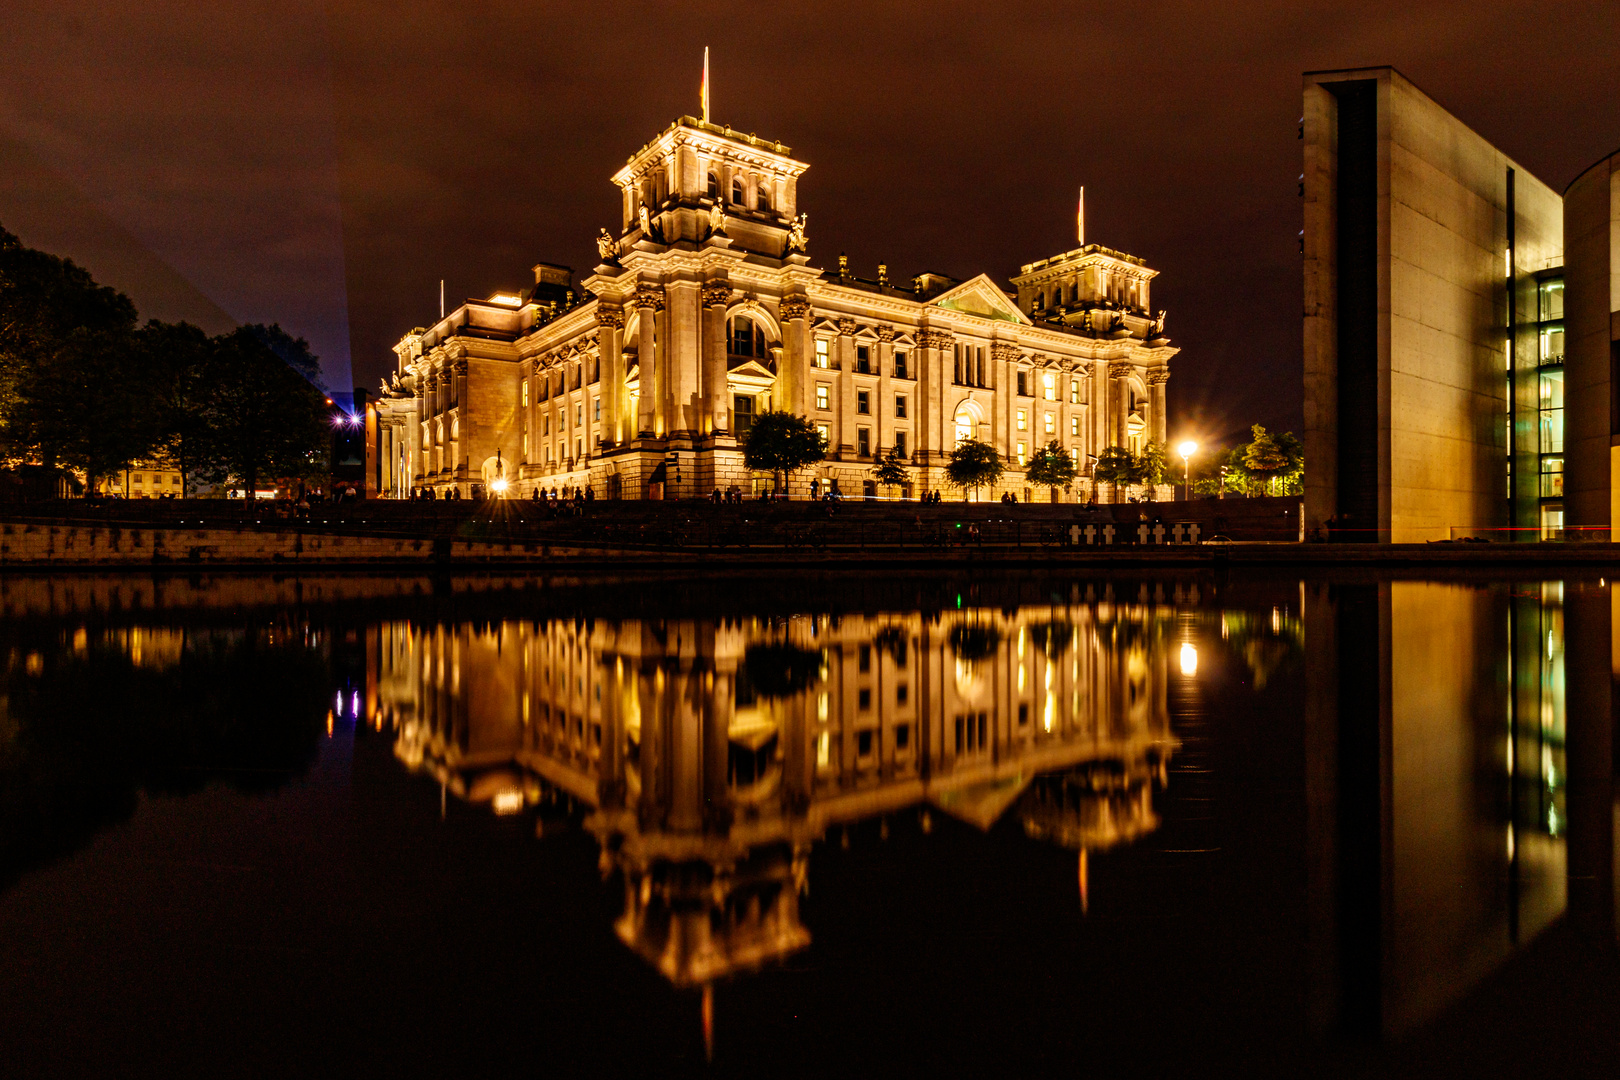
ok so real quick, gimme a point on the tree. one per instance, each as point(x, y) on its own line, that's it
point(1051, 467)
point(973, 465)
point(890, 471)
point(1264, 457)
point(1151, 467)
point(177, 360)
point(782, 443)
point(1115, 466)
point(264, 417)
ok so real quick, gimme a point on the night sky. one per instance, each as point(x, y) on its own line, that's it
point(323, 166)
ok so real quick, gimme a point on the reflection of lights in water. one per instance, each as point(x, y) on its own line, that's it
point(354, 704)
point(1021, 674)
point(1189, 659)
point(1051, 709)
point(1276, 621)
point(1552, 820)
point(509, 801)
point(823, 749)
point(338, 703)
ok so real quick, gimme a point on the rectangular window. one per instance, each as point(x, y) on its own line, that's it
point(1023, 420)
point(1023, 384)
point(525, 393)
point(821, 353)
point(863, 402)
point(1049, 385)
point(900, 365)
point(1074, 425)
point(579, 415)
point(1074, 391)
point(863, 442)
point(1023, 452)
point(863, 743)
point(825, 431)
point(1051, 423)
point(900, 443)
point(823, 396)
point(596, 405)
point(957, 375)
point(900, 406)
point(545, 424)
point(863, 359)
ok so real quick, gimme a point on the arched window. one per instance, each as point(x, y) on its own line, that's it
point(747, 337)
point(764, 200)
point(966, 426)
point(714, 187)
point(737, 190)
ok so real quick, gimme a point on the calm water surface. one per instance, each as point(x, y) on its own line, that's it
point(1023, 825)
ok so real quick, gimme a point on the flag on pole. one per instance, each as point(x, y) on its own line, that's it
point(705, 84)
point(1080, 217)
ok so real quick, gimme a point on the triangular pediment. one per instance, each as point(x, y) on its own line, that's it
point(982, 297)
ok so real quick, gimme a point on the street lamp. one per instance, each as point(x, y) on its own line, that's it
point(1187, 449)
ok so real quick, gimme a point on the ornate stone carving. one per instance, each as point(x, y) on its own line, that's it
point(609, 316)
point(929, 338)
point(1004, 351)
point(650, 296)
point(885, 333)
point(716, 294)
point(794, 307)
point(846, 326)
point(1119, 369)
point(1158, 376)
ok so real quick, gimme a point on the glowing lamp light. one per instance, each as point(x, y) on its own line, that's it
point(506, 299)
point(498, 485)
point(1187, 449)
point(1189, 659)
point(509, 801)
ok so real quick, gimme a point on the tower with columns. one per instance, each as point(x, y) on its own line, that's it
point(706, 311)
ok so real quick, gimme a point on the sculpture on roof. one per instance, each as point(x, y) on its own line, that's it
point(607, 247)
point(1157, 329)
point(797, 240)
point(717, 220)
point(645, 219)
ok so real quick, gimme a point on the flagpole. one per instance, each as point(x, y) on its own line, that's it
point(1080, 218)
point(705, 84)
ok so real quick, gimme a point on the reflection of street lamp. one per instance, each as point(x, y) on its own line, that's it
point(498, 485)
point(1187, 450)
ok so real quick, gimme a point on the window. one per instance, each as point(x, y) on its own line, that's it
point(863, 402)
point(742, 413)
point(900, 366)
point(900, 406)
point(545, 424)
point(900, 443)
point(737, 190)
point(956, 376)
point(1551, 299)
point(579, 449)
point(1023, 420)
point(864, 700)
point(863, 741)
point(1049, 386)
point(864, 658)
point(596, 404)
point(747, 337)
point(863, 359)
point(1074, 391)
point(525, 446)
point(1023, 384)
point(525, 393)
point(825, 431)
point(823, 396)
point(821, 353)
point(1023, 453)
point(863, 442)
point(579, 415)
point(1051, 423)
point(764, 200)
point(714, 187)
point(1074, 425)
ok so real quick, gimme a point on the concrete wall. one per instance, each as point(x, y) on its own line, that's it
point(1591, 299)
point(1441, 308)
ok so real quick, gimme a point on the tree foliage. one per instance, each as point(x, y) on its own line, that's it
point(974, 464)
point(1051, 467)
point(782, 443)
point(1114, 466)
point(1151, 465)
point(890, 470)
point(82, 386)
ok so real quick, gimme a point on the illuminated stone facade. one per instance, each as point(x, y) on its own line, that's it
point(712, 754)
point(706, 311)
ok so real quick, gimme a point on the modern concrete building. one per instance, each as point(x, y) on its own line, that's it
point(1428, 256)
point(1592, 274)
point(706, 311)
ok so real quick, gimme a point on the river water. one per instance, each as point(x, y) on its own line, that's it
point(1174, 824)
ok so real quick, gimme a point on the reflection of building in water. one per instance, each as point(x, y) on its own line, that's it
point(714, 754)
point(1435, 755)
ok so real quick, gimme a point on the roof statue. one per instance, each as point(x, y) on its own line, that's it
point(797, 240)
point(607, 247)
point(646, 221)
point(717, 220)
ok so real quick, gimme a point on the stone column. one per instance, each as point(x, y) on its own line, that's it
point(795, 313)
point(649, 302)
point(683, 359)
point(1118, 372)
point(845, 433)
point(716, 397)
point(1156, 379)
point(883, 418)
point(610, 331)
point(1003, 378)
point(933, 347)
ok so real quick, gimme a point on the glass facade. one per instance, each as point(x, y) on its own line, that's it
point(1550, 400)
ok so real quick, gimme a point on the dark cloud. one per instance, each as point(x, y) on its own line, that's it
point(472, 140)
